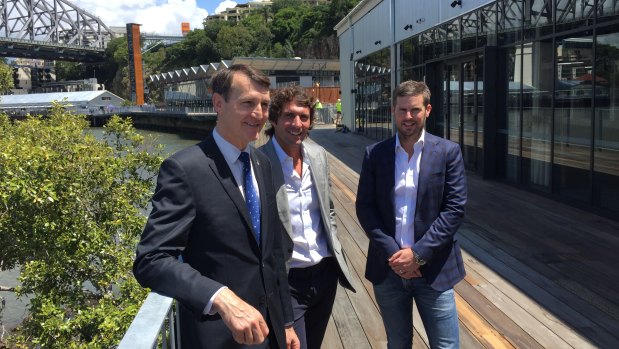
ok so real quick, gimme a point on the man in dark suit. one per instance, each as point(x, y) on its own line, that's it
point(313, 251)
point(213, 237)
point(410, 202)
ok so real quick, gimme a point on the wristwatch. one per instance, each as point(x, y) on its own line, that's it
point(418, 259)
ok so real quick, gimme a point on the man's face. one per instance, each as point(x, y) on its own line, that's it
point(240, 119)
point(292, 126)
point(410, 117)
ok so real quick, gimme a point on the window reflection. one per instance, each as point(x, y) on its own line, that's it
point(537, 113)
point(572, 130)
point(373, 108)
point(606, 140)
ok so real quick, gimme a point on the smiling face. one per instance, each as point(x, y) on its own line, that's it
point(292, 127)
point(410, 117)
point(242, 116)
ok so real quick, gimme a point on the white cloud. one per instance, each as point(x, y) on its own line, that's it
point(224, 5)
point(155, 16)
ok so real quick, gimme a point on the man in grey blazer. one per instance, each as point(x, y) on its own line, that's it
point(314, 254)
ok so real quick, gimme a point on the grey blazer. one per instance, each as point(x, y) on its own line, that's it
point(320, 176)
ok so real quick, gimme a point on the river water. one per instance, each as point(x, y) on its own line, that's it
point(15, 309)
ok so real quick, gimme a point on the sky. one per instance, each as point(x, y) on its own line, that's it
point(155, 16)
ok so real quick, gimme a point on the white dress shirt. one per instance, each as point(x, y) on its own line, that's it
point(310, 243)
point(231, 155)
point(406, 185)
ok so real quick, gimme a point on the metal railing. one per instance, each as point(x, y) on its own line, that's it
point(155, 325)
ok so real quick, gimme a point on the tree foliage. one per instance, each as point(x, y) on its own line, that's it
point(71, 212)
point(6, 77)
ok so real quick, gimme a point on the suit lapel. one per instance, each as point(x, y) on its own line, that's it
point(222, 172)
point(389, 181)
point(280, 186)
point(320, 181)
point(426, 167)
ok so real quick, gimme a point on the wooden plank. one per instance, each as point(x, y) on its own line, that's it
point(522, 310)
point(332, 337)
point(538, 290)
point(503, 325)
point(481, 329)
point(467, 339)
point(347, 324)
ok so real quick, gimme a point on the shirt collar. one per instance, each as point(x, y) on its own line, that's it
point(417, 145)
point(229, 151)
point(281, 154)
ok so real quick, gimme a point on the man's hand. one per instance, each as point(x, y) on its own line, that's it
point(292, 341)
point(403, 263)
point(244, 321)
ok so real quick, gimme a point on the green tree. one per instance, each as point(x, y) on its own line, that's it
point(6, 77)
point(196, 49)
point(69, 70)
point(71, 211)
point(232, 42)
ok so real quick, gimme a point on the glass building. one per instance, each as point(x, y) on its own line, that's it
point(528, 88)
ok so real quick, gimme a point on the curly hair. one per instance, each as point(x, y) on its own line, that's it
point(281, 97)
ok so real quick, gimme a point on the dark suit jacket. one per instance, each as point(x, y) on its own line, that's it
point(441, 198)
point(317, 157)
point(199, 238)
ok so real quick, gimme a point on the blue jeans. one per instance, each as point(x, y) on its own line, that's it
point(437, 310)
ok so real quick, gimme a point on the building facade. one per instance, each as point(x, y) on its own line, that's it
point(528, 88)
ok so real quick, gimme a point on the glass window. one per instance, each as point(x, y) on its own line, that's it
point(606, 9)
point(439, 38)
point(373, 107)
point(573, 113)
point(453, 82)
point(469, 31)
point(487, 25)
point(406, 54)
point(538, 17)
point(537, 66)
point(452, 30)
point(606, 139)
point(571, 14)
point(510, 21)
point(508, 123)
point(416, 50)
point(427, 42)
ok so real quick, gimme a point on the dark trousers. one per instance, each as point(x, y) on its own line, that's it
point(313, 293)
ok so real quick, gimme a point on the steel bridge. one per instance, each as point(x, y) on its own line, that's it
point(51, 30)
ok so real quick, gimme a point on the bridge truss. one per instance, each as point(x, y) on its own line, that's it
point(51, 29)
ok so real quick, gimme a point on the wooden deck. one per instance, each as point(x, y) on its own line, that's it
point(539, 274)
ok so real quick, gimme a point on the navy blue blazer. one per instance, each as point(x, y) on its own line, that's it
point(200, 215)
point(439, 211)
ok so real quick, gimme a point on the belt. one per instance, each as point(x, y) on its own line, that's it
point(311, 271)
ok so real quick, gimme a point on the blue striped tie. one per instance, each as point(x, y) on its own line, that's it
point(251, 195)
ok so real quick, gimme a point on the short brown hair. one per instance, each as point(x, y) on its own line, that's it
point(411, 88)
point(222, 80)
point(286, 95)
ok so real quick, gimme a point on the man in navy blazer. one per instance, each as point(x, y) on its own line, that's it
point(200, 246)
point(410, 202)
